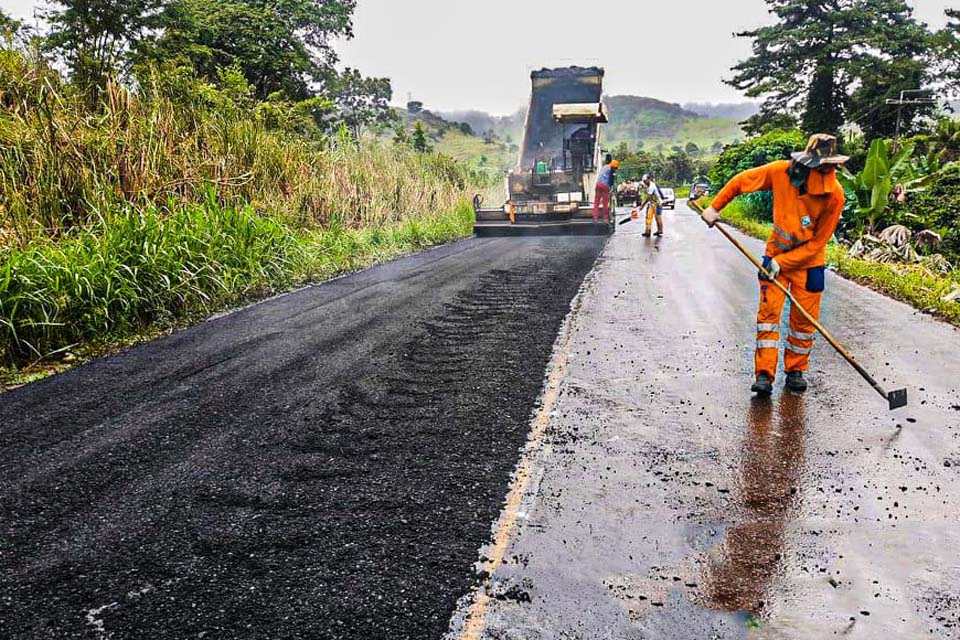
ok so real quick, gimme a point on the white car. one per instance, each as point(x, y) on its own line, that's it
point(669, 199)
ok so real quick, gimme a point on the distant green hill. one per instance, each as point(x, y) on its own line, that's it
point(655, 123)
point(507, 128)
point(462, 142)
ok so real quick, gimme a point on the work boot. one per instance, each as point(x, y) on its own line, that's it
point(763, 385)
point(795, 381)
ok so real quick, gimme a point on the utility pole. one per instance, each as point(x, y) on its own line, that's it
point(902, 101)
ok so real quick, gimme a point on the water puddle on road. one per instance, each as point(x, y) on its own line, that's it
point(745, 555)
point(739, 570)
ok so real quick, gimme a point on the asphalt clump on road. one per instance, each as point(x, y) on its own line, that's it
point(329, 490)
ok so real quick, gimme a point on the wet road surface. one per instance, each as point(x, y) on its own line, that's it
point(666, 502)
point(322, 465)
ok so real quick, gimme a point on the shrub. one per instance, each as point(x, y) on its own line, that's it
point(776, 145)
point(937, 208)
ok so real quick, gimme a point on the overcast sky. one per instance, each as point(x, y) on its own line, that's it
point(477, 54)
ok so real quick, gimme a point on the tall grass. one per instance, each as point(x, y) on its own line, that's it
point(150, 266)
point(172, 138)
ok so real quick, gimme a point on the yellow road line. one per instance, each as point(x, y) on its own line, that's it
point(476, 617)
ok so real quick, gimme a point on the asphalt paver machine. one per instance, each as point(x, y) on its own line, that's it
point(550, 191)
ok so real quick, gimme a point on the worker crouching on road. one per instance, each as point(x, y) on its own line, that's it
point(654, 203)
point(807, 203)
point(605, 183)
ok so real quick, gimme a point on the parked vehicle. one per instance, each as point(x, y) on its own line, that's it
point(628, 194)
point(699, 189)
point(669, 198)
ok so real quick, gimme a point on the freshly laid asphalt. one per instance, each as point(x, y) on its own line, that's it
point(322, 465)
point(667, 502)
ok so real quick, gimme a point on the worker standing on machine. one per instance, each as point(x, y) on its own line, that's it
point(807, 203)
point(654, 203)
point(605, 184)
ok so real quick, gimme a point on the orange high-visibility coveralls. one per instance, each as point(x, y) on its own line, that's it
point(802, 227)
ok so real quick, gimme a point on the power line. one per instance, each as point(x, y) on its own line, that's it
point(900, 104)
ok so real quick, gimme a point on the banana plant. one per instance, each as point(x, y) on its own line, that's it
point(871, 187)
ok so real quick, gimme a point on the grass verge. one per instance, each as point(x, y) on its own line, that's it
point(144, 273)
point(913, 284)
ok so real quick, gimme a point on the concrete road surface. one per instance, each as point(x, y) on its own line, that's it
point(664, 501)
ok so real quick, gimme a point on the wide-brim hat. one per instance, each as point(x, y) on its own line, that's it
point(821, 149)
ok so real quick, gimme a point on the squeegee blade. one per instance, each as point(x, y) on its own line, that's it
point(897, 399)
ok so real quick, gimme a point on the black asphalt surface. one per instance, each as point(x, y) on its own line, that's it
point(322, 465)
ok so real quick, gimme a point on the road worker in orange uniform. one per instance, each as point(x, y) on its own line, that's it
point(807, 203)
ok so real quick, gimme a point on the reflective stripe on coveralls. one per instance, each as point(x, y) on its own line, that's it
point(786, 236)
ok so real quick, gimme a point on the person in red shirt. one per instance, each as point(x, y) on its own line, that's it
point(807, 203)
point(606, 182)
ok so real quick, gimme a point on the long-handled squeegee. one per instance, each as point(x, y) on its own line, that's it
point(897, 399)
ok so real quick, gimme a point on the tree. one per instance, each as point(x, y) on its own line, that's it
point(947, 47)
point(816, 51)
point(94, 38)
point(717, 147)
point(945, 139)
point(401, 137)
point(679, 168)
point(883, 80)
point(766, 121)
point(692, 149)
point(8, 26)
point(360, 101)
point(280, 46)
point(421, 143)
